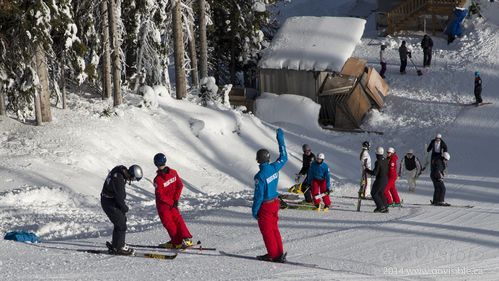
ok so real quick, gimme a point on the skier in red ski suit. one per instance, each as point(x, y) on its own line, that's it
point(168, 188)
point(391, 194)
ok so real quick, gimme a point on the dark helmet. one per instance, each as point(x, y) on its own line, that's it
point(262, 156)
point(159, 159)
point(135, 172)
point(366, 145)
point(403, 42)
point(306, 147)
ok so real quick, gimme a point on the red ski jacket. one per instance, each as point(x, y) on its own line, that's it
point(392, 171)
point(168, 186)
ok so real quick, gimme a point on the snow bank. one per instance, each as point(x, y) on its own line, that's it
point(291, 109)
point(150, 97)
point(313, 43)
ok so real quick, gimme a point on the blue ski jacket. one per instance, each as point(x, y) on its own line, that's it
point(267, 178)
point(319, 172)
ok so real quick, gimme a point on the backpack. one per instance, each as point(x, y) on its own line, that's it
point(21, 236)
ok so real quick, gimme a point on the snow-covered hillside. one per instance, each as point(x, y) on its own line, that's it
point(51, 178)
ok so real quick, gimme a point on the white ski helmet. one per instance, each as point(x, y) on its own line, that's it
point(391, 150)
point(446, 156)
point(321, 156)
point(380, 150)
point(410, 151)
point(439, 136)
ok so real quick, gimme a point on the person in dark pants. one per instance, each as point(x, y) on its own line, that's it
point(438, 167)
point(307, 159)
point(113, 203)
point(427, 45)
point(403, 53)
point(382, 61)
point(381, 173)
point(478, 88)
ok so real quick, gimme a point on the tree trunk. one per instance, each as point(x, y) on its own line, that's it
point(2, 100)
point(62, 79)
point(115, 42)
point(193, 56)
point(203, 43)
point(106, 64)
point(44, 94)
point(178, 47)
point(38, 110)
point(140, 59)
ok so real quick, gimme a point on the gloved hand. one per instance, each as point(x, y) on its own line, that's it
point(280, 135)
point(175, 205)
point(409, 55)
point(328, 190)
point(125, 210)
point(256, 217)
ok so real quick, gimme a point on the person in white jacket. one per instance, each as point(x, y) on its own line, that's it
point(412, 167)
point(365, 163)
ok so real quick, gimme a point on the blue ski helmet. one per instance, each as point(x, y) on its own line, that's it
point(159, 159)
point(477, 73)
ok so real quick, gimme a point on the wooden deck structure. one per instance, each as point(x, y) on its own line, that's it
point(414, 14)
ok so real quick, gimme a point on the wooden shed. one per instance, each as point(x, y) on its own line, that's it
point(311, 57)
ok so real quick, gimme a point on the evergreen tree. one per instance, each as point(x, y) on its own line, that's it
point(237, 35)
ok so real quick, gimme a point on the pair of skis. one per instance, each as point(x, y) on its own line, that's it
point(151, 255)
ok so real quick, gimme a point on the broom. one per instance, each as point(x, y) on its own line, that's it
point(417, 70)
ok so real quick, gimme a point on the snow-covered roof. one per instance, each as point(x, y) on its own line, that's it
point(313, 43)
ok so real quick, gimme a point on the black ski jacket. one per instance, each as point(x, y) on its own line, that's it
point(114, 187)
point(438, 166)
point(478, 86)
point(427, 43)
point(443, 148)
point(307, 160)
point(380, 171)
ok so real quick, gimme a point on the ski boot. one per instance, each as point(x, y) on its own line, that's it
point(281, 258)
point(445, 204)
point(167, 245)
point(384, 210)
point(123, 251)
point(186, 243)
point(326, 209)
point(264, 258)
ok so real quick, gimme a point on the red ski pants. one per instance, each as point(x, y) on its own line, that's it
point(267, 222)
point(391, 193)
point(173, 222)
point(318, 187)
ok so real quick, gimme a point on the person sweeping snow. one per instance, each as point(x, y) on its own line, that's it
point(265, 200)
point(168, 188)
